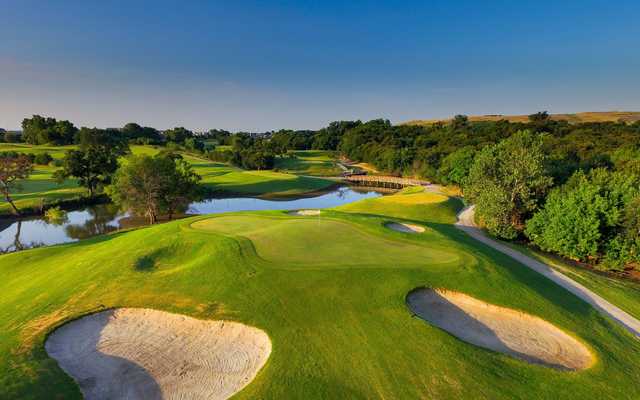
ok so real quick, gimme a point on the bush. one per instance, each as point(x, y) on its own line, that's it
point(42, 159)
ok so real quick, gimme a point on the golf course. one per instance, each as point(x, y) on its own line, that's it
point(42, 189)
point(334, 292)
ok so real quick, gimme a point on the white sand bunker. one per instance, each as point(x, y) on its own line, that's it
point(405, 228)
point(132, 353)
point(501, 329)
point(304, 212)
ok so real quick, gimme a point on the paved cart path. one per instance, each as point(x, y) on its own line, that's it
point(466, 223)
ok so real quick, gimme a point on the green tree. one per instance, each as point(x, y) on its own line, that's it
point(95, 160)
point(593, 216)
point(455, 167)
point(41, 130)
point(11, 137)
point(506, 183)
point(13, 169)
point(149, 186)
point(177, 135)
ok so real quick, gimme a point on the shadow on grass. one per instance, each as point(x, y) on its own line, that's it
point(149, 262)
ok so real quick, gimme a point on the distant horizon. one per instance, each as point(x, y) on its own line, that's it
point(253, 66)
point(19, 128)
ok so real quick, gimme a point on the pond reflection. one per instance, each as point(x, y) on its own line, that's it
point(99, 219)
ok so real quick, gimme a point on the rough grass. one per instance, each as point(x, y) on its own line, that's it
point(597, 116)
point(309, 162)
point(339, 330)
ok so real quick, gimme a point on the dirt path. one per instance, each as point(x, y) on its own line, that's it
point(466, 223)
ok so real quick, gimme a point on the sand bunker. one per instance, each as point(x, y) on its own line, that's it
point(304, 212)
point(501, 329)
point(137, 353)
point(405, 228)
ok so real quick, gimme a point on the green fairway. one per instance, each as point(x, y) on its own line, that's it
point(328, 290)
point(308, 162)
point(41, 188)
point(224, 178)
point(411, 203)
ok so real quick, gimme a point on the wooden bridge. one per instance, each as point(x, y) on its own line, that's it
point(393, 182)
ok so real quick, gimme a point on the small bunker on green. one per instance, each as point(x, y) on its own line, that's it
point(501, 329)
point(405, 228)
point(304, 213)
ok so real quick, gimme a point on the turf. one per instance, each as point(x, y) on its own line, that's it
point(308, 162)
point(338, 322)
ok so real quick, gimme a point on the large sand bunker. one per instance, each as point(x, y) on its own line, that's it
point(501, 329)
point(132, 353)
point(305, 213)
point(405, 228)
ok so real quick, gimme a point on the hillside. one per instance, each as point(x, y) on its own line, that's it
point(589, 116)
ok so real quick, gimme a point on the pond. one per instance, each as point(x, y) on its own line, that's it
point(104, 218)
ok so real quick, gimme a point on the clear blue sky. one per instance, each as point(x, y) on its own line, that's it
point(265, 65)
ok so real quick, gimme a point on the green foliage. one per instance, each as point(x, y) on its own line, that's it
point(96, 159)
point(13, 170)
point(10, 137)
point(141, 135)
point(56, 216)
point(42, 158)
point(41, 130)
point(507, 181)
point(151, 186)
point(455, 167)
point(177, 135)
point(329, 138)
point(591, 217)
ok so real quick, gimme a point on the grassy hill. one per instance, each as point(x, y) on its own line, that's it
point(330, 292)
point(595, 116)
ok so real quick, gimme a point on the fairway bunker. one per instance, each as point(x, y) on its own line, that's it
point(405, 228)
point(138, 353)
point(304, 213)
point(508, 331)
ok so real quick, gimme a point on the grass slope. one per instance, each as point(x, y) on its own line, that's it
point(309, 162)
point(42, 188)
point(595, 116)
point(334, 307)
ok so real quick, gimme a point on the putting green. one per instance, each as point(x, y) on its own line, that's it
point(322, 241)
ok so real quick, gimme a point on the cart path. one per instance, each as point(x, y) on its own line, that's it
point(466, 223)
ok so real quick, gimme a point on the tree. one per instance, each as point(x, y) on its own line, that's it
point(96, 159)
point(143, 135)
point(592, 216)
point(455, 167)
point(11, 137)
point(41, 130)
point(177, 135)
point(460, 122)
point(506, 182)
point(13, 169)
point(149, 186)
point(539, 117)
point(329, 138)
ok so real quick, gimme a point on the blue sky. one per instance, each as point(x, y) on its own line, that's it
point(261, 65)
